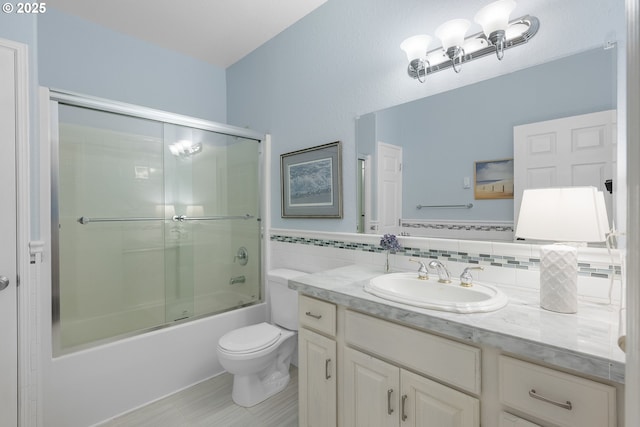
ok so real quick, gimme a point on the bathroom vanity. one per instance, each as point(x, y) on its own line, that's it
point(366, 361)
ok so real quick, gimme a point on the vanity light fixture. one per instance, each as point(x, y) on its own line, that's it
point(494, 19)
point(415, 48)
point(452, 33)
point(498, 34)
point(569, 214)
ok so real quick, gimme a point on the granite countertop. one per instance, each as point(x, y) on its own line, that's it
point(585, 342)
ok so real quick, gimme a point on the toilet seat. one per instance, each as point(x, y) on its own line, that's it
point(250, 339)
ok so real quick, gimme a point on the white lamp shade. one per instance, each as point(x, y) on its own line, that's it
point(452, 32)
point(416, 47)
point(495, 16)
point(568, 214)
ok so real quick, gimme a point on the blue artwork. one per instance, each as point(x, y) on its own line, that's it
point(310, 183)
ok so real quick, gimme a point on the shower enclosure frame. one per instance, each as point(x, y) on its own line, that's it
point(58, 97)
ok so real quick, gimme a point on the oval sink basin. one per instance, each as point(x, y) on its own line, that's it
point(406, 288)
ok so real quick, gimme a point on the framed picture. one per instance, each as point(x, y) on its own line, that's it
point(311, 182)
point(493, 179)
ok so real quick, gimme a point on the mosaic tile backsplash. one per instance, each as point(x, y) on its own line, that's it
point(504, 261)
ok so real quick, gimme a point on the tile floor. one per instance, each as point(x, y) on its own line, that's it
point(209, 404)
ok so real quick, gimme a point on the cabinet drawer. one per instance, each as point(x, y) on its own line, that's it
point(317, 315)
point(446, 360)
point(557, 397)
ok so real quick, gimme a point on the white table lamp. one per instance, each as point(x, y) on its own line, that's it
point(568, 215)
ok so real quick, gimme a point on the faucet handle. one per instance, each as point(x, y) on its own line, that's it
point(466, 279)
point(423, 273)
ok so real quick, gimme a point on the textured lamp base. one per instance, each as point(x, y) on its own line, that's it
point(559, 278)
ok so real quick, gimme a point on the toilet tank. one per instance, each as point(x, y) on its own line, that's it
point(282, 300)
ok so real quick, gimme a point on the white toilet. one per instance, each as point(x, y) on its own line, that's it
point(258, 356)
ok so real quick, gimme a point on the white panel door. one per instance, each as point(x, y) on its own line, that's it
point(389, 172)
point(8, 230)
point(572, 151)
point(371, 391)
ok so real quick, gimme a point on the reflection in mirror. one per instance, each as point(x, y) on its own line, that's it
point(444, 135)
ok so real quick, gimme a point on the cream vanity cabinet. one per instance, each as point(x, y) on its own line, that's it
point(317, 363)
point(360, 370)
point(555, 397)
point(379, 394)
point(396, 391)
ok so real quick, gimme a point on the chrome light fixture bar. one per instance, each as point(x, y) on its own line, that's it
point(498, 34)
point(520, 31)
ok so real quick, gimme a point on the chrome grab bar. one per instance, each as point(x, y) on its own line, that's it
point(86, 220)
point(183, 218)
point(465, 206)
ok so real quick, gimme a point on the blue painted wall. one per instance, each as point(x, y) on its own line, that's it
point(79, 56)
point(308, 85)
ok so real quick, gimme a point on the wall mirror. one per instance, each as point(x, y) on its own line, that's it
point(435, 142)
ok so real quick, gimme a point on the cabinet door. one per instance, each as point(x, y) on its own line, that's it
point(371, 391)
point(428, 403)
point(317, 379)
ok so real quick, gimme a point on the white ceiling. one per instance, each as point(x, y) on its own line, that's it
point(219, 32)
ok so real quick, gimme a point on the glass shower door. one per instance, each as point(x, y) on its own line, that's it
point(152, 223)
point(213, 243)
point(110, 232)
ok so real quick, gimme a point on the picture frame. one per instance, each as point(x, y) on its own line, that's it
point(493, 179)
point(311, 182)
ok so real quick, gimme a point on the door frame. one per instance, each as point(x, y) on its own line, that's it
point(27, 390)
point(632, 374)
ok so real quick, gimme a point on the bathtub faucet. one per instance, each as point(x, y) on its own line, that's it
point(237, 279)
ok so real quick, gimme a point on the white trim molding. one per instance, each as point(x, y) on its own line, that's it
point(27, 330)
point(632, 391)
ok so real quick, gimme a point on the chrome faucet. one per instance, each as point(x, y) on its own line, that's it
point(466, 279)
point(444, 276)
point(423, 272)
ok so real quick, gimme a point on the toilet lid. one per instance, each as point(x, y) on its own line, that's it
point(250, 338)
